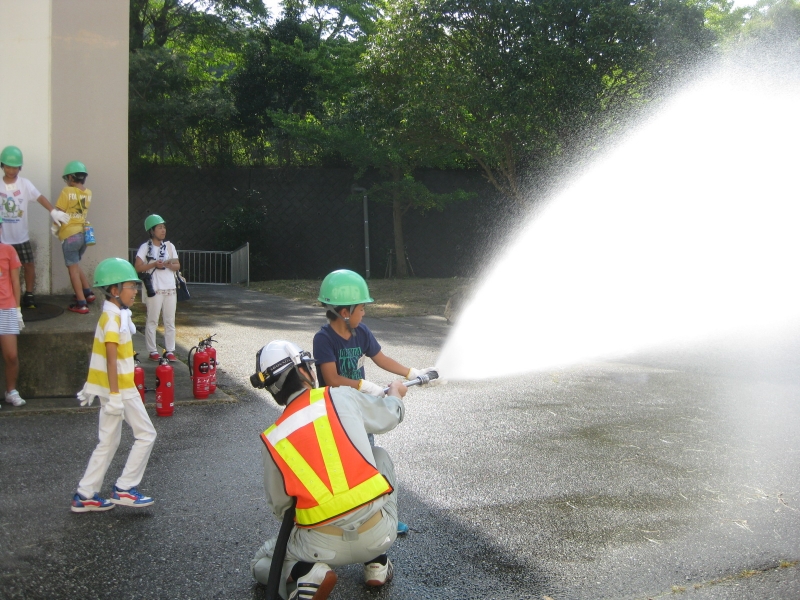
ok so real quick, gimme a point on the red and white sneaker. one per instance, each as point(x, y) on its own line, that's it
point(376, 574)
point(171, 357)
point(81, 309)
point(155, 356)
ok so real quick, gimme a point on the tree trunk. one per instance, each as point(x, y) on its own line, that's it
point(398, 209)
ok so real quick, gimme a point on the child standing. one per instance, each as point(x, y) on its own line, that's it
point(74, 201)
point(10, 318)
point(111, 379)
point(341, 346)
point(14, 198)
point(157, 259)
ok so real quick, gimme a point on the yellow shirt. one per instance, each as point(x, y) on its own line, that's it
point(75, 202)
point(108, 330)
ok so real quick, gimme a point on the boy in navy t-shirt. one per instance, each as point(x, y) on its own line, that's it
point(341, 346)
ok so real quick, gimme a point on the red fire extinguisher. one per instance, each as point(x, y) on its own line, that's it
point(198, 359)
point(212, 364)
point(138, 376)
point(165, 388)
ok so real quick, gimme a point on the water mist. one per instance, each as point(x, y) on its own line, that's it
point(688, 231)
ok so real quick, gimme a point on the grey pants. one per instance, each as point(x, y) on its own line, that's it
point(308, 545)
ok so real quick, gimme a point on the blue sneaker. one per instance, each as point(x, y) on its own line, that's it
point(131, 497)
point(402, 528)
point(95, 503)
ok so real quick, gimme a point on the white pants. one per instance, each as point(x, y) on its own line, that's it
point(109, 433)
point(311, 546)
point(164, 304)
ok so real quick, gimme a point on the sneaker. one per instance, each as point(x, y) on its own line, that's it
point(154, 356)
point(13, 397)
point(131, 497)
point(171, 357)
point(402, 528)
point(79, 308)
point(376, 574)
point(95, 503)
point(28, 300)
point(316, 584)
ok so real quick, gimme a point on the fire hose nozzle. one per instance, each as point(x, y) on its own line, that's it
point(421, 380)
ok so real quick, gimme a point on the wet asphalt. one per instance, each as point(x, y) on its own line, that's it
point(660, 475)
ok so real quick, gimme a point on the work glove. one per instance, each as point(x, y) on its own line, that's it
point(85, 397)
point(114, 406)
point(373, 389)
point(59, 216)
point(19, 319)
point(414, 373)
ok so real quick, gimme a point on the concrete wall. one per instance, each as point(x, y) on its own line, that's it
point(67, 99)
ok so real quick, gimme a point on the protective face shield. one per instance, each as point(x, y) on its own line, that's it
point(274, 362)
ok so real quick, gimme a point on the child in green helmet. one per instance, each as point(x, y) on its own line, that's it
point(341, 346)
point(16, 193)
point(111, 379)
point(74, 200)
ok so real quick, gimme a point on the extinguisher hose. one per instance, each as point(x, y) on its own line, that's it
point(279, 553)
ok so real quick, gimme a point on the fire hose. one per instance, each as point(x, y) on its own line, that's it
point(421, 380)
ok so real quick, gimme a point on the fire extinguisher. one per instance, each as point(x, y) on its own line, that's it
point(212, 364)
point(165, 388)
point(138, 376)
point(198, 359)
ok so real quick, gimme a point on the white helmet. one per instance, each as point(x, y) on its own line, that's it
point(275, 361)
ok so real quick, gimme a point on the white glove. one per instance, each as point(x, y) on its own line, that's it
point(59, 216)
point(19, 319)
point(114, 406)
point(373, 389)
point(85, 397)
point(414, 373)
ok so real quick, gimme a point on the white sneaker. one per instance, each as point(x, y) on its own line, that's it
point(376, 574)
point(13, 397)
point(316, 584)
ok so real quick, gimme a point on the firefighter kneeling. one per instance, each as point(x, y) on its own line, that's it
point(318, 456)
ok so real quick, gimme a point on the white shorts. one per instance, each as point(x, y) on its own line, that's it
point(9, 325)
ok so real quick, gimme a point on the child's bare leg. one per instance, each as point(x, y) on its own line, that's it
point(9, 347)
point(29, 269)
point(78, 280)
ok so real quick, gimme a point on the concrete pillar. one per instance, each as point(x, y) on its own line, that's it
point(65, 97)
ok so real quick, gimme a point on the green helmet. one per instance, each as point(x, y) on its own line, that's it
point(114, 270)
point(152, 221)
point(75, 166)
point(11, 156)
point(344, 288)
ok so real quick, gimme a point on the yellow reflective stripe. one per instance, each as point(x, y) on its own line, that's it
point(303, 471)
point(362, 494)
point(316, 395)
point(331, 456)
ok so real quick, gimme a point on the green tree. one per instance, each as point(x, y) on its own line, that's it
point(512, 83)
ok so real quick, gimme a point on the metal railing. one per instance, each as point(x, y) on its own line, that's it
point(212, 267)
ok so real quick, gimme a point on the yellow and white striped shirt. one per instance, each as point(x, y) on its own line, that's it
point(108, 330)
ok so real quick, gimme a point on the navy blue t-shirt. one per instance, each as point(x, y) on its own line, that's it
point(348, 355)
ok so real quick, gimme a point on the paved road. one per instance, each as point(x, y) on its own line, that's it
point(608, 480)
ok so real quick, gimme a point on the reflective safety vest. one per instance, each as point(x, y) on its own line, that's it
point(320, 465)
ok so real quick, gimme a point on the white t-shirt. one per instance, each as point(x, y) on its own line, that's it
point(163, 279)
point(14, 199)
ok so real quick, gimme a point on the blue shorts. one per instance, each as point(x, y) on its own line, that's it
point(74, 247)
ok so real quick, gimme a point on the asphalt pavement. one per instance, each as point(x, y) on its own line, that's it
point(661, 475)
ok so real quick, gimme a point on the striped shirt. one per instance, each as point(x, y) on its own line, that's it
point(108, 330)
